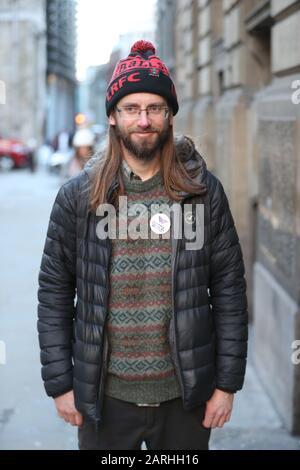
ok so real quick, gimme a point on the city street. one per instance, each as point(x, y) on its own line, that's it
point(28, 419)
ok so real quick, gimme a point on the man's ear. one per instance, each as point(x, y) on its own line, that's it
point(112, 119)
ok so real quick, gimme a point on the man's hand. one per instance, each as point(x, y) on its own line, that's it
point(65, 407)
point(218, 409)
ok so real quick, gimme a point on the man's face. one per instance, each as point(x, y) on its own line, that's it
point(142, 134)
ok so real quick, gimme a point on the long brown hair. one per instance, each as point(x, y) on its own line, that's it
point(108, 168)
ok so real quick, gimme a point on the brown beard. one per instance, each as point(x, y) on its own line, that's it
point(144, 152)
point(176, 177)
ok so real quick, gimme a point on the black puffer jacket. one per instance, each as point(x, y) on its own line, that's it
point(208, 330)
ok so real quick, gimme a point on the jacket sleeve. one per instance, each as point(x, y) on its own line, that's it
point(227, 295)
point(56, 295)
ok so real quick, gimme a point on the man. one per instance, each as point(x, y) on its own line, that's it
point(155, 346)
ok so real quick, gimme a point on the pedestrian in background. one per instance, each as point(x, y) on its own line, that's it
point(83, 144)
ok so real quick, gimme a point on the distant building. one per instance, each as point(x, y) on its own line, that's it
point(37, 66)
point(23, 66)
point(165, 32)
point(96, 82)
point(61, 52)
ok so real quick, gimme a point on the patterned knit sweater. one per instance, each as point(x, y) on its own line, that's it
point(140, 368)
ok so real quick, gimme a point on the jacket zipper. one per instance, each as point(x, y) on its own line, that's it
point(101, 380)
point(174, 338)
point(101, 377)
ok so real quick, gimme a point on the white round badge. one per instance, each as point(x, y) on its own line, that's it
point(160, 223)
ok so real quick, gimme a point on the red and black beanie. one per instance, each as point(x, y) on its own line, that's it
point(141, 71)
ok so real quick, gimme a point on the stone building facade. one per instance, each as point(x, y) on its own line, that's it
point(237, 71)
point(23, 66)
point(37, 68)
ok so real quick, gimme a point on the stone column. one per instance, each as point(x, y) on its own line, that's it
point(233, 97)
point(203, 117)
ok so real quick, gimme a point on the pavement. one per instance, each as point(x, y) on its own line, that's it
point(28, 419)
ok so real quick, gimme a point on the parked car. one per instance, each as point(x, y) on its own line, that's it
point(13, 154)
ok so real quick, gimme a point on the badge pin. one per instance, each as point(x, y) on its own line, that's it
point(160, 223)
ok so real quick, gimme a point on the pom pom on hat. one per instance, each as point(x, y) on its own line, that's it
point(143, 46)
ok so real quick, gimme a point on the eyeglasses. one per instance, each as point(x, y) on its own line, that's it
point(153, 111)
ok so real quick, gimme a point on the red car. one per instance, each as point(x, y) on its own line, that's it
point(13, 154)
